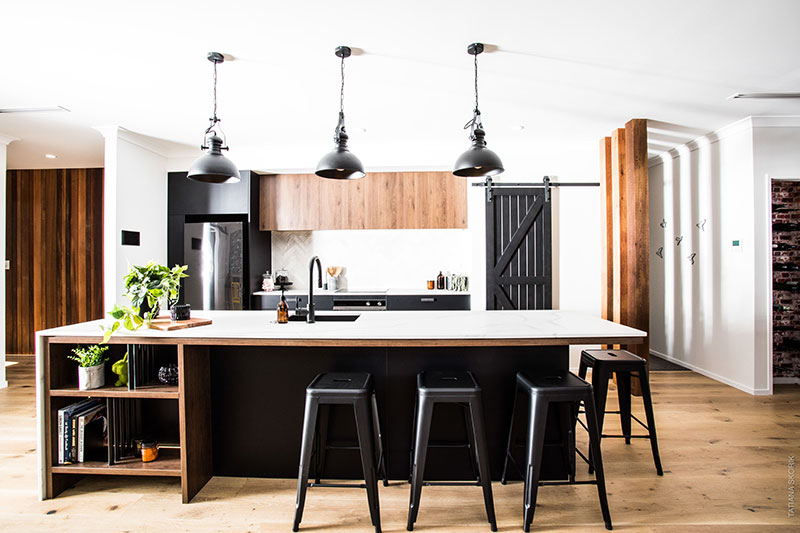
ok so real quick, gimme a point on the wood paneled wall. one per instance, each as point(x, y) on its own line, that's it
point(381, 200)
point(54, 241)
point(625, 233)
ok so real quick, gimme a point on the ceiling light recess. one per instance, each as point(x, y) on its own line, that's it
point(214, 167)
point(764, 96)
point(477, 160)
point(340, 163)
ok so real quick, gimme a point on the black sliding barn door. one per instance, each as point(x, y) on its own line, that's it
point(518, 249)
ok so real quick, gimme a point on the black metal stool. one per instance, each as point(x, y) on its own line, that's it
point(623, 363)
point(569, 390)
point(449, 387)
point(356, 389)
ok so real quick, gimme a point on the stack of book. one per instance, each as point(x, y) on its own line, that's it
point(82, 430)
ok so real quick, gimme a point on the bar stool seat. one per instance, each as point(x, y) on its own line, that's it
point(352, 388)
point(567, 390)
point(624, 364)
point(449, 387)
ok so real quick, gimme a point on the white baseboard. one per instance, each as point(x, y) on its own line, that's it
point(782, 380)
point(712, 375)
point(3, 384)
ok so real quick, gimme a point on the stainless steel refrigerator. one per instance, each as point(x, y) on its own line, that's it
point(215, 254)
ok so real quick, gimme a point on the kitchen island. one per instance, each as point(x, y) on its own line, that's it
point(238, 407)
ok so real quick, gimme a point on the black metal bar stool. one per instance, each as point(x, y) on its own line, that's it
point(356, 389)
point(568, 390)
point(622, 362)
point(449, 387)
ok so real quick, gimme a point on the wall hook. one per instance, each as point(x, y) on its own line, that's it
point(691, 257)
point(663, 223)
point(701, 225)
point(660, 252)
point(678, 240)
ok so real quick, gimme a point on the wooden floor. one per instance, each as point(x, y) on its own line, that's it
point(725, 456)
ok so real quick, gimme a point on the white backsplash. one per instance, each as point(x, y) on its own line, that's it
point(375, 259)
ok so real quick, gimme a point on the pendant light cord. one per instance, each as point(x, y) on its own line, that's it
point(476, 83)
point(215, 119)
point(341, 93)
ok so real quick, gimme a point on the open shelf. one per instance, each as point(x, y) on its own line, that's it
point(165, 392)
point(167, 464)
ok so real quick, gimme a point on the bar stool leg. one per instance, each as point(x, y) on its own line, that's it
point(582, 369)
point(644, 379)
point(365, 436)
point(322, 442)
point(592, 423)
point(421, 433)
point(600, 379)
point(413, 439)
point(511, 435)
point(481, 450)
point(309, 427)
point(566, 418)
point(533, 463)
point(471, 446)
point(624, 396)
point(378, 435)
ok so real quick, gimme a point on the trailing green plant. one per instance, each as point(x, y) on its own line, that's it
point(148, 285)
point(89, 356)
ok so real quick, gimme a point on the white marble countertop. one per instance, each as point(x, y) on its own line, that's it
point(533, 327)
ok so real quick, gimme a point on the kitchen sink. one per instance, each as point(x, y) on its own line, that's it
point(326, 318)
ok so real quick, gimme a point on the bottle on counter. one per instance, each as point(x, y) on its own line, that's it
point(440, 281)
point(283, 310)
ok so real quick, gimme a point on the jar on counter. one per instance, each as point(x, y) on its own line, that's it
point(149, 451)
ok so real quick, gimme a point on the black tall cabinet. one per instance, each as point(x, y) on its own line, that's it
point(193, 201)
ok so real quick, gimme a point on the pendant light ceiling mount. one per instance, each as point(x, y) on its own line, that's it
point(340, 163)
point(477, 160)
point(214, 167)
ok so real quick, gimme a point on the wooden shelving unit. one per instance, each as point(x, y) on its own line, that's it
point(190, 460)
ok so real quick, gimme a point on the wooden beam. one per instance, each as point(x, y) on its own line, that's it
point(619, 214)
point(638, 224)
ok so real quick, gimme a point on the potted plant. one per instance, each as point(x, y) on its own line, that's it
point(91, 366)
point(145, 286)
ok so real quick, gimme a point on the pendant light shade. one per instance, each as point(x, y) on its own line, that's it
point(477, 160)
point(214, 167)
point(340, 163)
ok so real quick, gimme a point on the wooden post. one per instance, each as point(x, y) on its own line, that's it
point(625, 226)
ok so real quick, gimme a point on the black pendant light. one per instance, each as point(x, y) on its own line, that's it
point(478, 160)
point(214, 167)
point(340, 163)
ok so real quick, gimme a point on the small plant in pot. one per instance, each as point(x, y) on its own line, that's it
point(91, 366)
point(146, 286)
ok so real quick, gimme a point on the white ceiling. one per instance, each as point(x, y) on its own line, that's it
point(568, 71)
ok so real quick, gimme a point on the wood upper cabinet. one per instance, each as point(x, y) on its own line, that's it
point(381, 200)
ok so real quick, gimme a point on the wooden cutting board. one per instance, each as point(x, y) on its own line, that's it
point(164, 323)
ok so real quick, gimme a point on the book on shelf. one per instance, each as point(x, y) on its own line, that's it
point(65, 430)
point(91, 429)
point(71, 437)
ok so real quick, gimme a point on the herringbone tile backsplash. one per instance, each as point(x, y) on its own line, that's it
point(374, 259)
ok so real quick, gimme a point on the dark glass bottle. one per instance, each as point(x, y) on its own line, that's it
point(785, 267)
point(440, 281)
point(782, 246)
point(283, 310)
point(786, 226)
point(789, 286)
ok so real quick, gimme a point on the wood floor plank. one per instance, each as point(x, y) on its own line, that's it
point(725, 457)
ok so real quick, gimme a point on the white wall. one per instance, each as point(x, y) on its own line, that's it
point(135, 200)
point(4, 142)
point(713, 316)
